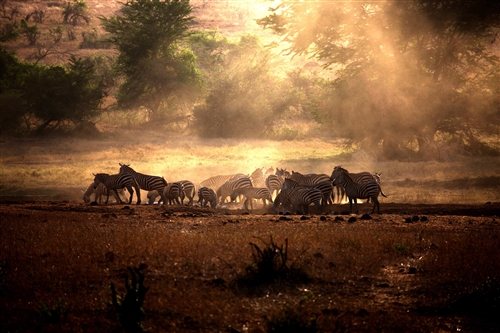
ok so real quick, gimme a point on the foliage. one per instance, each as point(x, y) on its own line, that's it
point(443, 46)
point(244, 98)
point(75, 11)
point(92, 40)
point(158, 74)
point(130, 312)
point(32, 33)
point(40, 98)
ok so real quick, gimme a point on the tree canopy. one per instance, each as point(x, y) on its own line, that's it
point(407, 72)
point(158, 73)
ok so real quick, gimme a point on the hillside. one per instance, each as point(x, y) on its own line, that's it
point(232, 19)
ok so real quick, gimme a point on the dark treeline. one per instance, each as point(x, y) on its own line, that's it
point(408, 80)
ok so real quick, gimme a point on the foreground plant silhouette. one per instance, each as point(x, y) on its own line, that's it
point(130, 312)
point(270, 266)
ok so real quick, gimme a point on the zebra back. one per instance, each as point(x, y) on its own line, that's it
point(309, 179)
point(252, 193)
point(216, 182)
point(274, 183)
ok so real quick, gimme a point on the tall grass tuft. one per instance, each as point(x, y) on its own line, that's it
point(130, 312)
point(270, 266)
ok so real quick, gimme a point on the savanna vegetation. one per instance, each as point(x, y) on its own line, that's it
point(192, 89)
point(398, 80)
point(73, 267)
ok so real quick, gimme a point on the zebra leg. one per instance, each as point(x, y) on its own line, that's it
point(376, 203)
point(138, 193)
point(131, 191)
point(117, 196)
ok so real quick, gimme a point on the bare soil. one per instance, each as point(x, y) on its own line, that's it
point(399, 297)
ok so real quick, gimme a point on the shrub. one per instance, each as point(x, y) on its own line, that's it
point(130, 310)
point(270, 266)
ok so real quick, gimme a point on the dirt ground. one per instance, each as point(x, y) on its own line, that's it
point(361, 306)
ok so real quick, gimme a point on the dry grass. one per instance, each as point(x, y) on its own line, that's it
point(193, 263)
point(60, 167)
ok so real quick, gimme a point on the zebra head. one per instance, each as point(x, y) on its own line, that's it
point(125, 168)
point(340, 175)
point(99, 178)
point(336, 172)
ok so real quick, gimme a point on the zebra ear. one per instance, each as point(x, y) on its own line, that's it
point(93, 174)
point(120, 164)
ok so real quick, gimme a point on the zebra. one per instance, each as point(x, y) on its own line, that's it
point(298, 199)
point(356, 190)
point(118, 181)
point(360, 178)
point(309, 179)
point(188, 189)
point(251, 193)
point(274, 183)
point(207, 195)
point(173, 192)
point(282, 172)
point(98, 192)
point(258, 178)
point(227, 188)
point(145, 182)
point(216, 182)
point(325, 187)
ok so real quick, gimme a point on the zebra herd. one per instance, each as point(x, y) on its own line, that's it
point(285, 191)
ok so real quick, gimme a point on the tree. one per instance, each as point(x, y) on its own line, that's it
point(158, 73)
point(42, 98)
point(407, 71)
point(244, 99)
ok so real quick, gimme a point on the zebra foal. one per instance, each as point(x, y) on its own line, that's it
point(116, 182)
point(356, 191)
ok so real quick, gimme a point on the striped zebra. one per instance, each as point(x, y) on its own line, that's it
point(98, 193)
point(145, 182)
point(309, 179)
point(118, 181)
point(188, 189)
point(356, 190)
point(227, 188)
point(360, 178)
point(173, 192)
point(298, 199)
point(251, 193)
point(207, 195)
point(325, 187)
point(216, 182)
point(258, 178)
point(274, 184)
